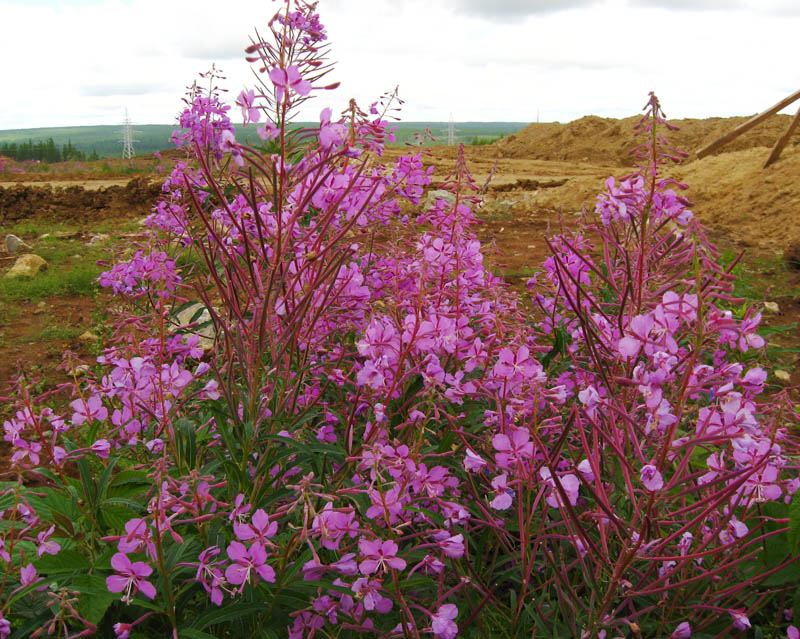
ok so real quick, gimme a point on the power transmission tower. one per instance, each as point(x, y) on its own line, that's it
point(127, 137)
point(451, 132)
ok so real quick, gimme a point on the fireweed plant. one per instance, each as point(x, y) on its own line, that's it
point(359, 431)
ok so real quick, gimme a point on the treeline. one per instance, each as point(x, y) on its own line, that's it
point(45, 151)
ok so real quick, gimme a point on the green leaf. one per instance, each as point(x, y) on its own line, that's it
point(228, 613)
point(94, 598)
point(192, 633)
point(66, 561)
point(794, 523)
point(105, 479)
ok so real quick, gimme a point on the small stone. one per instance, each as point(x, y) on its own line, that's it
point(203, 326)
point(27, 265)
point(772, 307)
point(77, 256)
point(440, 194)
point(80, 370)
point(41, 307)
point(98, 238)
point(14, 244)
point(65, 235)
point(784, 376)
point(502, 228)
point(88, 337)
point(44, 236)
point(531, 246)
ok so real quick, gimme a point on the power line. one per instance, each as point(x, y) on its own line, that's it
point(127, 137)
point(451, 132)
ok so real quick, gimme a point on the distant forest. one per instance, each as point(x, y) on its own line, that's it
point(45, 151)
point(93, 142)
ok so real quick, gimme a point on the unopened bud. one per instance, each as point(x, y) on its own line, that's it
point(335, 85)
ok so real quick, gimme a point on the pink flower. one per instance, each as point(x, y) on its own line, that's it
point(453, 546)
point(245, 562)
point(27, 575)
point(260, 528)
point(651, 478)
point(682, 631)
point(239, 508)
point(45, 546)
point(250, 113)
point(473, 462)
point(25, 449)
point(502, 499)
point(286, 79)
point(101, 447)
point(792, 633)
point(122, 630)
point(332, 525)
point(740, 620)
point(570, 483)
point(88, 410)
point(442, 623)
point(378, 555)
point(138, 536)
point(514, 448)
point(370, 592)
point(130, 577)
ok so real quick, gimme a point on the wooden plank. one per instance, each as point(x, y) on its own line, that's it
point(746, 126)
point(776, 150)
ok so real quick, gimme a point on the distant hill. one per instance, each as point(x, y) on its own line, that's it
point(106, 141)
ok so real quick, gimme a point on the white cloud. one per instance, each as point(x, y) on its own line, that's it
point(510, 10)
point(83, 62)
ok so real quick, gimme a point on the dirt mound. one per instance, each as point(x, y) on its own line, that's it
point(19, 202)
point(607, 141)
point(755, 206)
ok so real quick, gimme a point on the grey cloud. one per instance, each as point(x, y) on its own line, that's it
point(509, 10)
point(770, 7)
point(692, 5)
point(104, 90)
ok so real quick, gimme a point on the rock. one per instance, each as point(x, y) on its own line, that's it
point(27, 265)
point(88, 337)
point(14, 244)
point(41, 307)
point(198, 316)
point(784, 376)
point(65, 235)
point(440, 194)
point(44, 236)
point(772, 307)
point(98, 238)
point(79, 370)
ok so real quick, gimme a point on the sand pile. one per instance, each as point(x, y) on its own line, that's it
point(607, 141)
point(753, 206)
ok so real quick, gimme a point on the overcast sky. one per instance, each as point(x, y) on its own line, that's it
point(81, 62)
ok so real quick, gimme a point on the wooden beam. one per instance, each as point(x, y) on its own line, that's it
point(746, 126)
point(776, 150)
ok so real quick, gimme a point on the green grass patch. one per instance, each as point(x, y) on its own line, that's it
point(53, 334)
point(35, 227)
point(81, 279)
